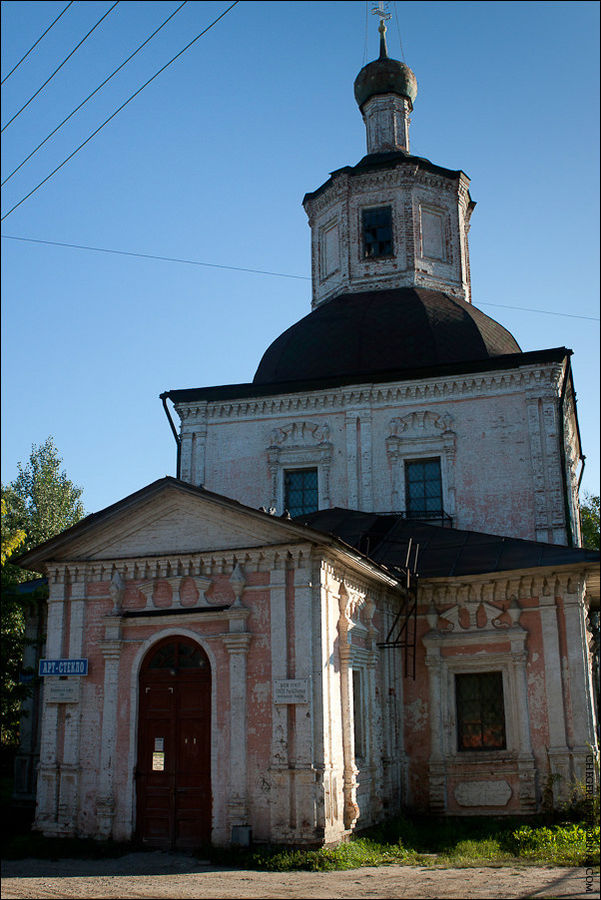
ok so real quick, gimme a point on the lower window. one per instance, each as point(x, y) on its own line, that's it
point(480, 711)
point(300, 491)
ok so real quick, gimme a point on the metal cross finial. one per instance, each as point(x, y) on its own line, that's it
point(383, 13)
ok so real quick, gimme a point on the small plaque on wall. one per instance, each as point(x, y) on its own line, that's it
point(291, 690)
point(61, 691)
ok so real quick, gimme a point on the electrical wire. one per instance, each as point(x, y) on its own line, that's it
point(123, 105)
point(89, 97)
point(23, 58)
point(196, 262)
point(544, 312)
point(67, 58)
point(173, 259)
point(398, 28)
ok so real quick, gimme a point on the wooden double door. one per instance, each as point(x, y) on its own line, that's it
point(173, 772)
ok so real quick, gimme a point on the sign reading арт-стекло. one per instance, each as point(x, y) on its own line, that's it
point(63, 667)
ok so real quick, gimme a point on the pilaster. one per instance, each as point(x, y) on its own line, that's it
point(306, 786)
point(105, 804)
point(437, 769)
point(541, 407)
point(68, 806)
point(526, 766)
point(237, 645)
point(351, 810)
point(46, 818)
point(374, 729)
point(579, 675)
point(558, 753)
point(352, 475)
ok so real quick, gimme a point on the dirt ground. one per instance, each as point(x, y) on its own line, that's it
point(171, 875)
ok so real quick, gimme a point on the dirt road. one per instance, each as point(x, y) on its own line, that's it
point(170, 875)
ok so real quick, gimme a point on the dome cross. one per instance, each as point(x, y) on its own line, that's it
point(384, 15)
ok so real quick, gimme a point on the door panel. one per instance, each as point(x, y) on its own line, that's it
point(174, 747)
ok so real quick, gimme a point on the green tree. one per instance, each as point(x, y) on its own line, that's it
point(589, 521)
point(39, 503)
point(11, 538)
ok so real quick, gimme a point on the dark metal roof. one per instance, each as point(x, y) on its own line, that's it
point(385, 76)
point(373, 331)
point(248, 389)
point(443, 552)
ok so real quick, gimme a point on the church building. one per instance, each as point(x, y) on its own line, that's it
point(364, 589)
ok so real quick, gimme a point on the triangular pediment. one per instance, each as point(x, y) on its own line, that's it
point(173, 519)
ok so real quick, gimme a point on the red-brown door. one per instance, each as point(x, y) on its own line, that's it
point(173, 774)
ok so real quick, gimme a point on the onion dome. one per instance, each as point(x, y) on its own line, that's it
point(367, 333)
point(385, 76)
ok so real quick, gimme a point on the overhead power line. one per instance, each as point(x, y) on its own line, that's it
point(123, 105)
point(398, 28)
point(196, 262)
point(173, 259)
point(89, 97)
point(23, 58)
point(66, 59)
point(544, 312)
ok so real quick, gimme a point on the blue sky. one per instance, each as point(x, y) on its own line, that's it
point(210, 163)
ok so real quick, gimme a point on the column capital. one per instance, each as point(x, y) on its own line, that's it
point(111, 649)
point(237, 642)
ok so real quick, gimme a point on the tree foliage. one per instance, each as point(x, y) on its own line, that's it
point(40, 503)
point(13, 627)
point(12, 537)
point(589, 521)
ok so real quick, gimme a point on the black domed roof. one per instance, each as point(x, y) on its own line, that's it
point(385, 76)
point(362, 334)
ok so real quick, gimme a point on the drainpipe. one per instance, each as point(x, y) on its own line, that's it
point(582, 458)
point(178, 441)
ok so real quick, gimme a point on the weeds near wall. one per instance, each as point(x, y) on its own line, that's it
point(459, 843)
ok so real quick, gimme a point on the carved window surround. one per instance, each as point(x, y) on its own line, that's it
point(299, 445)
point(466, 638)
point(420, 435)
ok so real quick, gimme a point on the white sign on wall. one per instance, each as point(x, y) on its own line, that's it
point(291, 690)
point(61, 691)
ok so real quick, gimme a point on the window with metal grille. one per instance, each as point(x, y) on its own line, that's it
point(377, 232)
point(300, 491)
point(480, 711)
point(423, 488)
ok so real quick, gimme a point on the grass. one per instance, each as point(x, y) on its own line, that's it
point(457, 843)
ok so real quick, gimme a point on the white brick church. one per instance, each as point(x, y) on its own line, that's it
point(364, 589)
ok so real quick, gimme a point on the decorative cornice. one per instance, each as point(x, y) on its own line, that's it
point(201, 565)
point(534, 378)
point(505, 588)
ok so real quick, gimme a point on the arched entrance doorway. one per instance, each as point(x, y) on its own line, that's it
point(173, 773)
